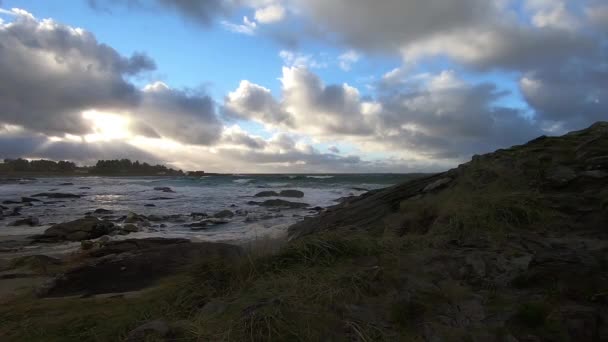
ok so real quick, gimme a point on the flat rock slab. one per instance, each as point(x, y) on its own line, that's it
point(142, 266)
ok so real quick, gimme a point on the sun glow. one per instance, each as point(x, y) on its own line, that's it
point(106, 126)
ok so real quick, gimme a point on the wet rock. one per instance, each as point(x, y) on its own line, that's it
point(10, 202)
point(291, 193)
point(224, 214)
point(102, 211)
point(56, 195)
point(29, 200)
point(438, 184)
point(153, 329)
point(82, 229)
point(164, 189)
point(198, 225)
point(267, 194)
point(360, 189)
point(581, 322)
point(130, 228)
point(30, 221)
point(86, 245)
point(160, 198)
point(135, 218)
point(283, 204)
point(149, 205)
point(84, 188)
point(66, 184)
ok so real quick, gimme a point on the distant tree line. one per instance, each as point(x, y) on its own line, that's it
point(103, 167)
point(24, 165)
point(127, 166)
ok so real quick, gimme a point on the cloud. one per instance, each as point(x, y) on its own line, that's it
point(434, 117)
point(181, 115)
point(294, 59)
point(270, 14)
point(248, 27)
point(347, 59)
point(253, 102)
point(52, 72)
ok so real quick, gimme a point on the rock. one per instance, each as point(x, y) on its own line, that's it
point(224, 214)
point(130, 228)
point(149, 205)
point(160, 198)
point(134, 264)
point(66, 184)
point(85, 188)
point(29, 200)
point(164, 189)
point(217, 221)
point(144, 332)
point(86, 245)
point(581, 322)
point(597, 163)
point(102, 211)
point(266, 194)
point(56, 195)
point(316, 208)
point(134, 218)
point(438, 184)
point(560, 175)
point(82, 229)
point(360, 189)
point(283, 203)
point(10, 202)
point(291, 193)
point(40, 263)
point(30, 221)
point(597, 174)
point(197, 225)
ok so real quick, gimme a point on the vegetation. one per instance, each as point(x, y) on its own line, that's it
point(502, 252)
point(102, 167)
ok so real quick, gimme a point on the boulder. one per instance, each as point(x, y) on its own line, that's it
point(82, 229)
point(130, 228)
point(267, 194)
point(56, 195)
point(102, 211)
point(134, 218)
point(163, 189)
point(291, 193)
point(66, 184)
point(85, 188)
point(224, 214)
point(283, 203)
point(10, 202)
point(30, 221)
point(149, 205)
point(29, 200)
point(132, 265)
point(597, 163)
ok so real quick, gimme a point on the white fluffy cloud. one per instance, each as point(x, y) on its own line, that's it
point(270, 14)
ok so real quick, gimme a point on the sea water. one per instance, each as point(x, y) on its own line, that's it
point(207, 194)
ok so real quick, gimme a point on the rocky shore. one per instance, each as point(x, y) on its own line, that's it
point(511, 246)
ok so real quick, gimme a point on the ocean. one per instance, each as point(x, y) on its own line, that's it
point(208, 194)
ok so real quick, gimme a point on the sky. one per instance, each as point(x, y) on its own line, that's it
point(285, 86)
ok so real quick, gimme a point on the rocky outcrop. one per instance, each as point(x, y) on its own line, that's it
point(284, 193)
point(164, 189)
point(131, 265)
point(56, 195)
point(291, 193)
point(279, 203)
point(82, 229)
